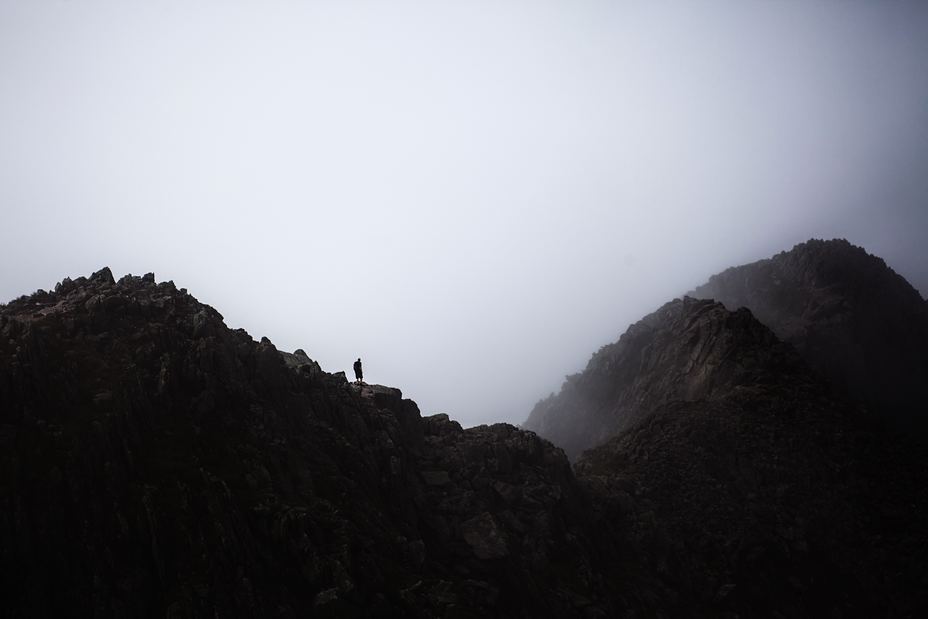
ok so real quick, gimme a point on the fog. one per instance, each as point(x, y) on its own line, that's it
point(471, 196)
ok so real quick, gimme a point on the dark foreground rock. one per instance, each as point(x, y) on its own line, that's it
point(154, 462)
point(769, 502)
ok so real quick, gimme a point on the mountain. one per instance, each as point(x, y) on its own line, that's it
point(688, 349)
point(740, 480)
point(773, 500)
point(850, 316)
point(734, 480)
point(154, 462)
point(853, 320)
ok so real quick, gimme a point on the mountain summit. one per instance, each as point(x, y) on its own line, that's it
point(851, 317)
point(154, 462)
point(689, 349)
point(825, 304)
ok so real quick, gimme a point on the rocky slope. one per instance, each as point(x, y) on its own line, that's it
point(738, 481)
point(688, 349)
point(154, 462)
point(771, 501)
point(850, 316)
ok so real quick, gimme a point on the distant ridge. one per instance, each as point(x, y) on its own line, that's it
point(689, 349)
point(851, 317)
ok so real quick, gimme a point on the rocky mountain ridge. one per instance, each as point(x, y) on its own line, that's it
point(689, 349)
point(748, 480)
point(851, 317)
point(771, 500)
point(856, 323)
point(154, 462)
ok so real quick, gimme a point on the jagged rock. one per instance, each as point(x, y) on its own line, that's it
point(771, 501)
point(850, 316)
point(484, 537)
point(741, 485)
point(155, 462)
point(689, 349)
point(103, 276)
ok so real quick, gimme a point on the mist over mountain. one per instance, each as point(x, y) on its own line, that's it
point(686, 350)
point(458, 193)
point(486, 202)
point(155, 462)
point(850, 316)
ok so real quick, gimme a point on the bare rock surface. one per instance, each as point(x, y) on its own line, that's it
point(852, 318)
point(689, 349)
point(154, 462)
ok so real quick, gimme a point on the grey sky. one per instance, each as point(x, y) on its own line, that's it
point(471, 196)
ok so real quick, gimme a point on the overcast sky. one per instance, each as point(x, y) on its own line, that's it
point(471, 196)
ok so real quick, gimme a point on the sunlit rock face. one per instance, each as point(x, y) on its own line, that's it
point(154, 462)
point(851, 317)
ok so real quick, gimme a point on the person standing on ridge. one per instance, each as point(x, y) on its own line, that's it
point(358, 374)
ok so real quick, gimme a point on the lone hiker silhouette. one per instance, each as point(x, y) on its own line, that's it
point(358, 374)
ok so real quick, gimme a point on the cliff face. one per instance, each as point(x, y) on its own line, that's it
point(689, 349)
point(853, 319)
point(154, 462)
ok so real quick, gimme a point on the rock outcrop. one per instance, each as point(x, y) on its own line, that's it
point(734, 480)
point(851, 317)
point(771, 501)
point(689, 349)
point(154, 462)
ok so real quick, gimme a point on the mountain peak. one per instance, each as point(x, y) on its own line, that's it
point(190, 470)
point(689, 349)
point(852, 318)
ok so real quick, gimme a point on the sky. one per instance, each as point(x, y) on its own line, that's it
point(473, 197)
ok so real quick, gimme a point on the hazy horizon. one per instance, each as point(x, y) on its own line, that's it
point(473, 199)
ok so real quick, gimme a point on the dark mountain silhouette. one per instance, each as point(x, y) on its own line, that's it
point(850, 316)
point(855, 322)
point(735, 479)
point(742, 480)
point(154, 462)
point(772, 500)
